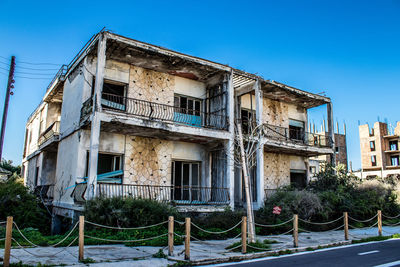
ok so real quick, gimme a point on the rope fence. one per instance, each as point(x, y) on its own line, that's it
point(341, 222)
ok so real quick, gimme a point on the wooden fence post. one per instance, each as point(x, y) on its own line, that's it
point(244, 234)
point(81, 237)
point(7, 243)
point(346, 225)
point(295, 230)
point(380, 222)
point(170, 235)
point(187, 239)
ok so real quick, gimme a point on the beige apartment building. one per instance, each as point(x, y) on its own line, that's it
point(131, 119)
point(379, 150)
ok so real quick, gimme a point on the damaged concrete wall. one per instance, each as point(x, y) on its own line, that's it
point(53, 113)
point(48, 168)
point(276, 170)
point(275, 113)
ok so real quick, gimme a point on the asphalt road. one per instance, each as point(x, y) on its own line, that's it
point(386, 253)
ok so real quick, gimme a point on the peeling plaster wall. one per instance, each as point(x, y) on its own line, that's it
point(275, 113)
point(247, 102)
point(276, 170)
point(297, 113)
point(297, 163)
point(31, 171)
point(48, 168)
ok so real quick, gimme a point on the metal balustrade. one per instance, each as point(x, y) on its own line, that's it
point(183, 195)
point(296, 136)
point(161, 112)
point(52, 131)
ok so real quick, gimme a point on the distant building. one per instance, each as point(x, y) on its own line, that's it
point(4, 174)
point(340, 151)
point(379, 150)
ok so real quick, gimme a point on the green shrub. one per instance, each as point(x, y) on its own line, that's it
point(27, 210)
point(128, 212)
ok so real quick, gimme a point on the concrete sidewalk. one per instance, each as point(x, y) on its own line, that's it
point(212, 251)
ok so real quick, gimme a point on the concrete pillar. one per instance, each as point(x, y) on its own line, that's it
point(95, 119)
point(260, 145)
point(331, 132)
point(230, 145)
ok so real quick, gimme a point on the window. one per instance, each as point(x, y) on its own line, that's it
point(336, 149)
point(373, 160)
point(372, 145)
point(371, 132)
point(296, 130)
point(187, 110)
point(186, 180)
point(394, 160)
point(248, 120)
point(107, 164)
point(393, 145)
point(298, 178)
point(113, 95)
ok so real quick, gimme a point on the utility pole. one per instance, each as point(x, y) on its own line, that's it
point(10, 85)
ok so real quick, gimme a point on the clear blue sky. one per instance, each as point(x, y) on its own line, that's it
point(349, 49)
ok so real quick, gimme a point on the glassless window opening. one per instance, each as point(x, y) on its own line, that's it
point(372, 145)
point(107, 163)
point(187, 110)
point(186, 180)
point(113, 95)
point(373, 160)
point(248, 120)
point(296, 130)
point(393, 145)
point(394, 160)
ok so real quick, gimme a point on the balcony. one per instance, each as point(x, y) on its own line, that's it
point(45, 193)
point(179, 195)
point(158, 112)
point(296, 141)
point(50, 136)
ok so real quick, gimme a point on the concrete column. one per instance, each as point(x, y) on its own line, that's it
point(95, 119)
point(260, 145)
point(230, 145)
point(331, 132)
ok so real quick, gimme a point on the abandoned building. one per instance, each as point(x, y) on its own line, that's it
point(379, 150)
point(318, 162)
point(127, 118)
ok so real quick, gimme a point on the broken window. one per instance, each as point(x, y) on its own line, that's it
point(186, 180)
point(109, 167)
point(394, 160)
point(187, 110)
point(113, 95)
point(372, 145)
point(373, 160)
point(393, 145)
point(296, 130)
point(298, 178)
point(248, 120)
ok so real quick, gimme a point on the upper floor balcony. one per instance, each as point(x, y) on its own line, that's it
point(49, 137)
point(295, 140)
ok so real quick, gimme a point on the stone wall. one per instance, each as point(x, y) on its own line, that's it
point(151, 86)
point(147, 161)
point(276, 170)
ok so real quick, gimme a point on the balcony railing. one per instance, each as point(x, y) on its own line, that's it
point(52, 131)
point(296, 136)
point(162, 112)
point(45, 192)
point(185, 195)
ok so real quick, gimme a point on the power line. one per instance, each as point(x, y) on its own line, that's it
point(26, 68)
point(31, 63)
point(31, 78)
point(30, 73)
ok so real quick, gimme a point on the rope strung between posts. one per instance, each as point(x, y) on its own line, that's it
point(3, 222)
point(274, 225)
point(47, 255)
point(360, 221)
point(262, 249)
point(324, 223)
point(125, 228)
point(125, 241)
point(391, 224)
point(179, 222)
point(285, 233)
point(1, 239)
point(239, 246)
point(375, 224)
point(181, 236)
point(34, 245)
point(391, 217)
point(335, 229)
point(217, 232)
point(201, 241)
